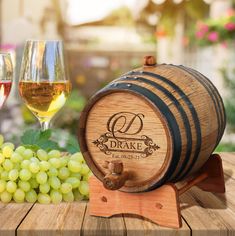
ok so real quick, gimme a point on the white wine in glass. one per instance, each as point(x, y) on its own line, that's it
point(44, 85)
point(6, 76)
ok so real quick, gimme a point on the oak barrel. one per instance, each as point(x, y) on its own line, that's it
point(156, 124)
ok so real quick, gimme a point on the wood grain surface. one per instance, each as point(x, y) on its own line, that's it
point(62, 219)
point(203, 214)
point(160, 206)
point(11, 216)
point(176, 107)
point(133, 162)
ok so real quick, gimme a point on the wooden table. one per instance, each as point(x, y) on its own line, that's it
point(203, 213)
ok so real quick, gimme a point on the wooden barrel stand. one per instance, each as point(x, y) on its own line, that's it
point(161, 205)
point(153, 127)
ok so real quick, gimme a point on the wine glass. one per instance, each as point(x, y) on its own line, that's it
point(44, 85)
point(6, 76)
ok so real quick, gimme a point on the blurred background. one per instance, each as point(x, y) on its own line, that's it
point(104, 39)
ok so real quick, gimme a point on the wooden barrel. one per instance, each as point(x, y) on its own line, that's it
point(160, 123)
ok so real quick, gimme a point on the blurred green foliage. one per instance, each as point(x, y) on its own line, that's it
point(229, 81)
point(121, 16)
point(75, 101)
point(229, 101)
point(170, 12)
point(225, 147)
point(50, 139)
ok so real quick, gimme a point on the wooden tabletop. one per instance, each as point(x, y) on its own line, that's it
point(203, 213)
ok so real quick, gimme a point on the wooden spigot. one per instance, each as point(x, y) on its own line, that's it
point(116, 177)
point(149, 61)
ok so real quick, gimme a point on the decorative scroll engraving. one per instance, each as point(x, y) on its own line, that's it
point(100, 143)
point(122, 140)
point(151, 146)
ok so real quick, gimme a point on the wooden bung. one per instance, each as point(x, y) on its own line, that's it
point(149, 61)
point(158, 122)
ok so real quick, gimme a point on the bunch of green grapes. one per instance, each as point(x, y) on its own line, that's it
point(46, 177)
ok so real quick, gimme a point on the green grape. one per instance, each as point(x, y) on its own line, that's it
point(56, 197)
point(44, 198)
point(11, 187)
point(66, 188)
point(25, 164)
point(73, 181)
point(28, 153)
point(64, 161)
point(25, 174)
point(34, 175)
point(7, 165)
point(55, 162)
point(2, 185)
point(1, 140)
point(16, 157)
point(77, 157)
point(34, 167)
point(85, 169)
point(4, 175)
point(54, 154)
point(42, 155)
point(44, 165)
point(7, 151)
point(33, 183)
point(25, 186)
point(41, 177)
point(68, 197)
point(54, 182)
point(74, 166)
point(11, 145)
point(86, 177)
point(20, 150)
point(19, 195)
point(44, 188)
point(2, 158)
point(76, 175)
point(84, 188)
point(33, 170)
point(52, 171)
point(6, 197)
point(31, 196)
point(63, 173)
point(13, 175)
point(17, 166)
point(34, 159)
point(77, 195)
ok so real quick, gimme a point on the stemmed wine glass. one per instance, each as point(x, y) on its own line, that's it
point(44, 85)
point(6, 76)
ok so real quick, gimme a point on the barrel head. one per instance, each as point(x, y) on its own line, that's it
point(126, 126)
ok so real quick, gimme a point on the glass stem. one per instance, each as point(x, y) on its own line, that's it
point(44, 125)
